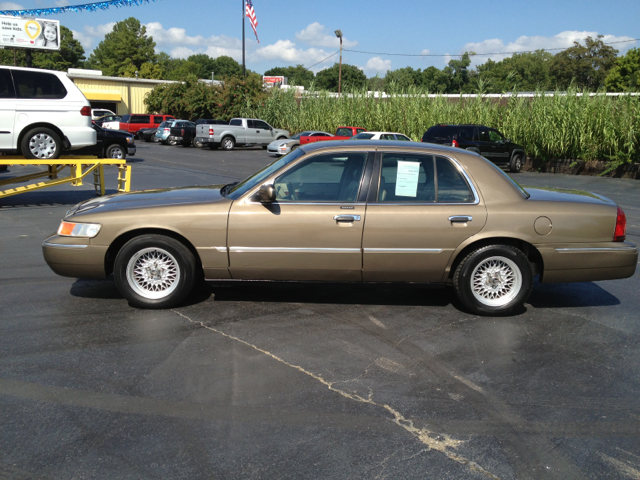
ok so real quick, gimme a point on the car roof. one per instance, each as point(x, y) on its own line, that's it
point(332, 144)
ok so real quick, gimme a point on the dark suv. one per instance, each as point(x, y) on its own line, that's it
point(488, 142)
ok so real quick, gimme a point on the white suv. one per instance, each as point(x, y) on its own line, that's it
point(42, 113)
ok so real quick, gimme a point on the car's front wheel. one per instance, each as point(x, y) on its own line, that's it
point(155, 271)
point(41, 143)
point(494, 280)
point(115, 151)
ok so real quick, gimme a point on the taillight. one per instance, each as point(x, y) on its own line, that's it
point(454, 143)
point(210, 130)
point(182, 132)
point(621, 227)
point(85, 111)
point(167, 130)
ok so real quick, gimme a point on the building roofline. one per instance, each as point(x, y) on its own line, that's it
point(119, 79)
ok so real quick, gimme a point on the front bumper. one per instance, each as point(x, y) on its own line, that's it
point(131, 151)
point(74, 257)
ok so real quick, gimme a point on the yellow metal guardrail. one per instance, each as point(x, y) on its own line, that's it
point(79, 167)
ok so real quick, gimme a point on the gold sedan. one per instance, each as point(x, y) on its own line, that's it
point(350, 212)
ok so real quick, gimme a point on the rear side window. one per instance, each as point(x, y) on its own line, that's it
point(452, 187)
point(407, 178)
point(38, 85)
point(236, 121)
point(466, 133)
point(157, 119)
point(6, 84)
point(439, 134)
point(344, 132)
point(140, 119)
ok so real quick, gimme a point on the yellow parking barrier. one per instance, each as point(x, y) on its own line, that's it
point(79, 168)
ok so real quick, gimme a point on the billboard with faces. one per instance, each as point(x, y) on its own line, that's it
point(29, 33)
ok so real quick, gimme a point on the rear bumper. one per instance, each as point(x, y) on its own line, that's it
point(80, 136)
point(588, 263)
point(74, 257)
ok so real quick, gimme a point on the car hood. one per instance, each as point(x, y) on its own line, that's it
point(548, 194)
point(150, 199)
point(283, 141)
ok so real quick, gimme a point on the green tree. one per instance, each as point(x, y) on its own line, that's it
point(522, 71)
point(297, 75)
point(203, 63)
point(352, 78)
point(458, 71)
point(126, 44)
point(225, 67)
point(585, 65)
point(402, 79)
point(147, 70)
point(435, 80)
point(625, 74)
point(70, 55)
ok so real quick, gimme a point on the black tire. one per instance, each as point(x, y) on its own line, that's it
point(494, 280)
point(115, 151)
point(170, 257)
point(213, 147)
point(3, 168)
point(41, 142)
point(227, 143)
point(196, 143)
point(264, 147)
point(516, 163)
point(172, 141)
point(185, 144)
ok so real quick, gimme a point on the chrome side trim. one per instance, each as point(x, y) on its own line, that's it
point(403, 250)
point(349, 204)
point(62, 245)
point(596, 249)
point(220, 249)
point(291, 250)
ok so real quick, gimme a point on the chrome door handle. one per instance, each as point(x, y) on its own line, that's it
point(460, 218)
point(347, 218)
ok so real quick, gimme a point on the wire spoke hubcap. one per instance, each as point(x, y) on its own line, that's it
point(496, 281)
point(153, 273)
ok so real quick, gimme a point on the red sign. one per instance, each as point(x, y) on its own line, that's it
point(273, 79)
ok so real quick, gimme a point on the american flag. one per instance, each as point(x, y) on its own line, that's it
point(251, 13)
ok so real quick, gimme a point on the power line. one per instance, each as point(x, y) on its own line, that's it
point(334, 53)
point(477, 54)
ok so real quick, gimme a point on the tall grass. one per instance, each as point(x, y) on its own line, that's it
point(562, 126)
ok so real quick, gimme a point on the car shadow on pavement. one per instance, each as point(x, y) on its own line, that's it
point(559, 295)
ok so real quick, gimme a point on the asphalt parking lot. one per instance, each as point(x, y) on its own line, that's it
point(262, 380)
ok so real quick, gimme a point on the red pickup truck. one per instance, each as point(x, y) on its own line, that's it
point(342, 133)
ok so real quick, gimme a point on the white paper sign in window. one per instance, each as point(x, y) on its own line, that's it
point(407, 179)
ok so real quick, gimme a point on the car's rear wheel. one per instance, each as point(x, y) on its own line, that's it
point(494, 280)
point(196, 143)
point(115, 151)
point(228, 143)
point(516, 163)
point(41, 142)
point(155, 271)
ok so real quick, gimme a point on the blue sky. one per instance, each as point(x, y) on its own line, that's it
point(294, 32)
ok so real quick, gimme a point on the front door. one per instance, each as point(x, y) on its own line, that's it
point(264, 133)
point(423, 209)
point(313, 231)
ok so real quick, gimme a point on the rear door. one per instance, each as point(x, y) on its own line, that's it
point(420, 208)
point(7, 109)
point(313, 231)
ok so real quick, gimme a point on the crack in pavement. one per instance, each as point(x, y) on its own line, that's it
point(439, 442)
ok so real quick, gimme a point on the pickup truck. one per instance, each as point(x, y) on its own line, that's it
point(342, 133)
point(240, 131)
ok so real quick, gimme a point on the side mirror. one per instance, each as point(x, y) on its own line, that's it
point(267, 194)
point(507, 140)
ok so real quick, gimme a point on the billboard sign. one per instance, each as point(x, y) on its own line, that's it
point(274, 80)
point(29, 33)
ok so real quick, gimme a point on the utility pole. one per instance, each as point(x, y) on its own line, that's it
point(27, 57)
point(339, 35)
point(244, 70)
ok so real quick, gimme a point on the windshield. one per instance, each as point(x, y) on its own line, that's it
point(516, 185)
point(301, 134)
point(257, 178)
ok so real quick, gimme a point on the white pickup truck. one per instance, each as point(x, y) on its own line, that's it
point(240, 131)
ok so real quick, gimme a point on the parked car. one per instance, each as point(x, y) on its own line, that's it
point(380, 136)
point(107, 118)
point(134, 123)
point(182, 132)
point(100, 112)
point(240, 131)
point(147, 134)
point(486, 141)
point(356, 211)
point(163, 134)
point(43, 113)
point(342, 133)
point(287, 145)
point(207, 121)
point(110, 144)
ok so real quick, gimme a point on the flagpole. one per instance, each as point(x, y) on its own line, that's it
point(243, 65)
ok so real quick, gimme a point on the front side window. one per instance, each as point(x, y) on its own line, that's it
point(494, 136)
point(262, 125)
point(42, 85)
point(344, 132)
point(6, 84)
point(157, 120)
point(387, 136)
point(331, 177)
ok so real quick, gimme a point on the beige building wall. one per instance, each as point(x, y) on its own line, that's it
point(127, 93)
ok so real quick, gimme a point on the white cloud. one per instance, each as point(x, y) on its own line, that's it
point(525, 43)
point(92, 35)
point(377, 65)
point(10, 6)
point(179, 37)
point(316, 35)
point(62, 3)
point(286, 51)
point(426, 51)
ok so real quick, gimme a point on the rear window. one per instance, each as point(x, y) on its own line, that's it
point(236, 121)
point(125, 118)
point(362, 136)
point(38, 85)
point(439, 134)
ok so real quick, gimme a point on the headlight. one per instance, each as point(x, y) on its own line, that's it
point(130, 140)
point(69, 229)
